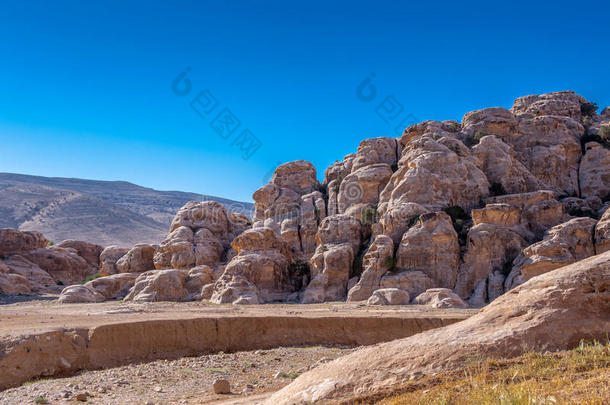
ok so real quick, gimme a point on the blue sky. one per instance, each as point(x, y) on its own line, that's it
point(86, 88)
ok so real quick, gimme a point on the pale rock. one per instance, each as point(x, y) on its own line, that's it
point(99, 289)
point(137, 260)
point(88, 251)
point(389, 296)
point(170, 285)
point(108, 259)
point(562, 103)
point(363, 186)
point(440, 298)
point(13, 241)
point(431, 246)
point(497, 214)
point(489, 121)
point(377, 260)
point(602, 233)
point(376, 150)
point(64, 265)
point(413, 282)
point(39, 280)
point(594, 171)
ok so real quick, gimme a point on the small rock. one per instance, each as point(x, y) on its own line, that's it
point(65, 394)
point(82, 396)
point(101, 390)
point(158, 389)
point(222, 387)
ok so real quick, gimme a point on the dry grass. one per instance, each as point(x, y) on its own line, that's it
point(579, 376)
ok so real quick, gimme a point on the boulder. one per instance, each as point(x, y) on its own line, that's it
point(602, 233)
point(413, 282)
point(88, 251)
point(562, 245)
point(440, 298)
point(361, 188)
point(40, 282)
point(108, 259)
point(496, 121)
point(99, 289)
point(431, 246)
point(184, 248)
point(562, 103)
point(13, 241)
point(374, 151)
point(582, 207)
point(554, 311)
point(389, 296)
point(594, 171)
point(170, 285)
point(64, 265)
point(11, 283)
point(137, 260)
point(377, 260)
point(396, 219)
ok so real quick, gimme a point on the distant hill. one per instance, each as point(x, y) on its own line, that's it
point(103, 212)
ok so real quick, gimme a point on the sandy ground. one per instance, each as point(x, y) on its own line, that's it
point(184, 381)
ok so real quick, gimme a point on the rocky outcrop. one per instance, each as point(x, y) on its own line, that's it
point(88, 251)
point(562, 245)
point(594, 171)
point(413, 282)
point(13, 241)
point(259, 273)
point(440, 298)
point(562, 103)
point(378, 259)
point(108, 259)
point(338, 242)
point(99, 290)
point(137, 260)
point(431, 246)
point(11, 283)
point(389, 296)
point(64, 265)
point(170, 285)
point(39, 281)
point(553, 311)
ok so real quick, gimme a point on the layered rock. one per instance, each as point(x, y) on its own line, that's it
point(137, 260)
point(431, 246)
point(562, 103)
point(338, 242)
point(13, 241)
point(602, 233)
point(594, 171)
point(170, 285)
point(378, 259)
point(108, 259)
point(39, 281)
point(440, 298)
point(88, 251)
point(259, 273)
point(555, 311)
point(64, 265)
point(11, 283)
point(413, 282)
point(99, 289)
point(562, 245)
point(389, 296)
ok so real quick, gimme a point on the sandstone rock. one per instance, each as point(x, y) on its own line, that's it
point(389, 296)
point(497, 214)
point(64, 265)
point(602, 233)
point(222, 387)
point(11, 283)
point(88, 251)
point(362, 187)
point(594, 171)
point(338, 242)
point(489, 248)
point(183, 249)
point(210, 215)
point(431, 246)
point(170, 285)
point(99, 289)
point(397, 218)
point(421, 179)
point(39, 280)
point(378, 259)
point(137, 260)
point(108, 259)
point(562, 103)
point(581, 207)
point(562, 245)
point(13, 241)
point(497, 160)
point(440, 298)
point(260, 271)
point(413, 282)
point(490, 121)
point(554, 311)
point(374, 151)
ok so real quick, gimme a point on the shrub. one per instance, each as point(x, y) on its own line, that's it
point(411, 221)
point(369, 216)
point(91, 277)
point(41, 400)
point(390, 262)
point(51, 243)
point(394, 167)
point(588, 109)
point(478, 135)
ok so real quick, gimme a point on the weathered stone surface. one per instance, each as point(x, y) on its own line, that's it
point(184, 249)
point(389, 296)
point(422, 180)
point(582, 207)
point(13, 241)
point(362, 187)
point(108, 259)
point(259, 273)
point(413, 282)
point(100, 289)
point(490, 121)
point(376, 150)
point(11, 283)
point(555, 311)
point(338, 241)
point(39, 280)
point(602, 233)
point(137, 260)
point(396, 219)
point(497, 160)
point(562, 245)
point(440, 298)
point(170, 285)
point(497, 214)
point(431, 246)
point(378, 259)
point(562, 103)
point(489, 248)
point(64, 265)
point(594, 171)
point(88, 251)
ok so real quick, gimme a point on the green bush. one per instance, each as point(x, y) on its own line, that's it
point(91, 277)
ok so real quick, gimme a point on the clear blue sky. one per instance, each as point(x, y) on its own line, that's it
point(86, 87)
